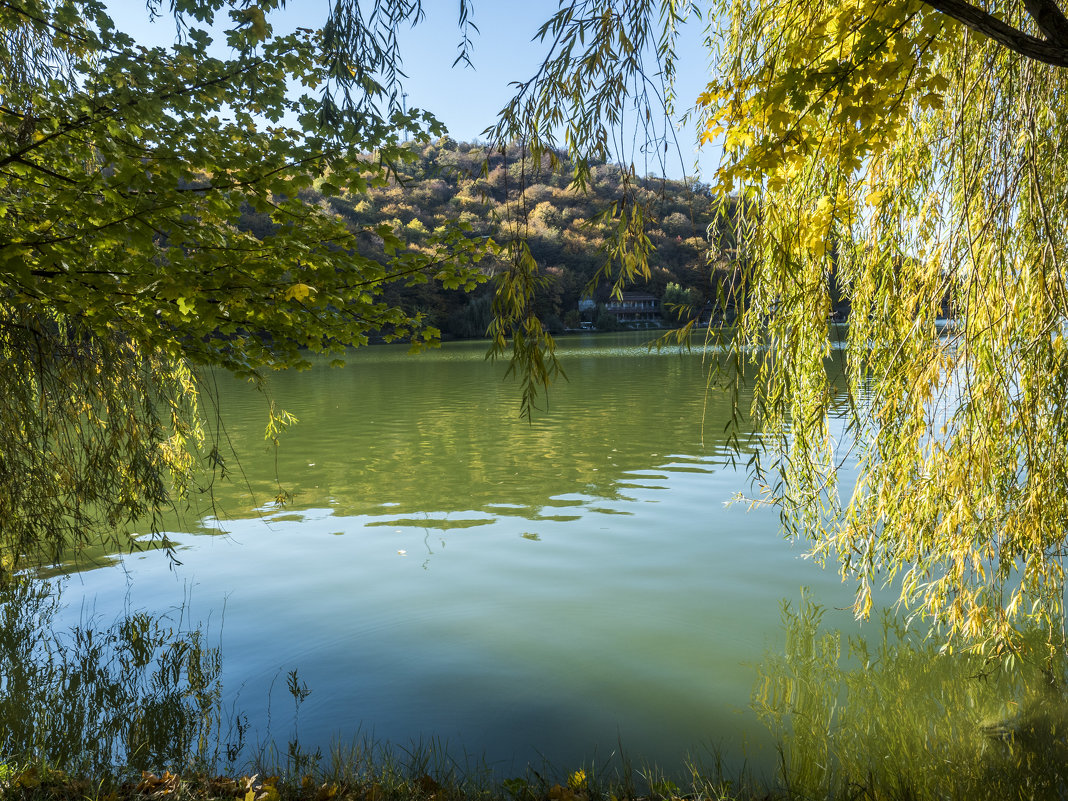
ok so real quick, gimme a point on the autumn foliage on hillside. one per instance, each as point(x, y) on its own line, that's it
point(500, 195)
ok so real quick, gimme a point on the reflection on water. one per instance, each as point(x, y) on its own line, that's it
point(142, 691)
point(438, 433)
point(514, 590)
point(891, 715)
point(448, 570)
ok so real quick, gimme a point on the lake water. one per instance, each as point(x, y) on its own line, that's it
point(446, 571)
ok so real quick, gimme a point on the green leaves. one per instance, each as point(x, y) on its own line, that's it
point(124, 177)
point(516, 330)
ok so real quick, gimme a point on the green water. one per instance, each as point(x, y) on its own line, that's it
point(447, 571)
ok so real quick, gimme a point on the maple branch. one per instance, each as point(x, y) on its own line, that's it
point(1047, 15)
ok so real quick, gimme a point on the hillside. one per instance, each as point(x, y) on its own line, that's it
point(501, 195)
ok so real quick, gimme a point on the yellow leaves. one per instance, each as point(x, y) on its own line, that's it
point(932, 100)
point(862, 603)
point(823, 212)
point(938, 83)
point(560, 793)
point(812, 228)
point(709, 134)
point(28, 779)
point(247, 788)
point(577, 780)
point(154, 786)
point(738, 138)
point(278, 420)
point(299, 292)
point(186, 307)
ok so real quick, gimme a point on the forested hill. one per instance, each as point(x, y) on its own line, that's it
point(454, 181)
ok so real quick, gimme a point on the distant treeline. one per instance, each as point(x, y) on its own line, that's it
point(499, 195)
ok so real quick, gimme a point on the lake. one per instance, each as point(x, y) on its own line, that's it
point(445, 571)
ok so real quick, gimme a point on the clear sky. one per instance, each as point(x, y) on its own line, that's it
point(467, 99)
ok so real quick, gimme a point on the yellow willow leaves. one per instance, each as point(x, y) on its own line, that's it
point(815, 227)
point(847, 69)
point(154, 786)
point(918, 171)
point(299, 292)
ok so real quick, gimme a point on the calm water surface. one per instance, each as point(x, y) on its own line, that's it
point(447, 571)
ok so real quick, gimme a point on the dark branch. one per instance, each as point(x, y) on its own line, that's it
point(1050, 20)
point(34, 166)
point(1048, 52)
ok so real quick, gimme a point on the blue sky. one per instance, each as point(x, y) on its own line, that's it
point(467, 99)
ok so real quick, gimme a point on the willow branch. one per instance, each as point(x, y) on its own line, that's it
point(1053, 51)
point(1049, 19)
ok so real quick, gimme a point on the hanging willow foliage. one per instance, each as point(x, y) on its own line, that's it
point(909, 159)
point(923, 166)
point(95, 434)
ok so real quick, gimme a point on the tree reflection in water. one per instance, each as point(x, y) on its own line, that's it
point(142, 692)
point(894, 716)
